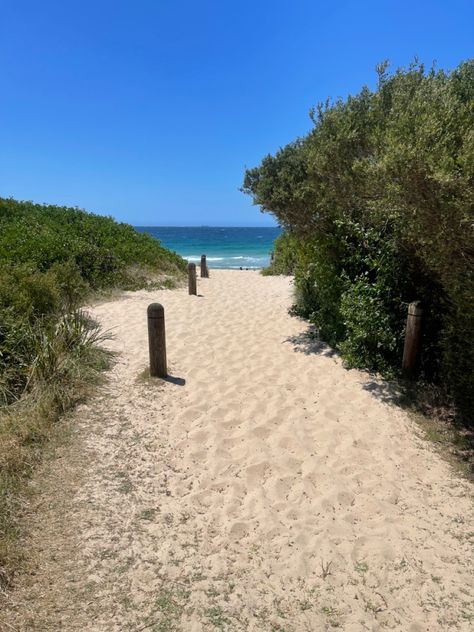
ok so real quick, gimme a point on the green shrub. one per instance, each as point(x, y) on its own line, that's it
point(284, 256)
point(51, 258)
point(40, 236)
point(379, 197)
point(71, 285)
point(319, 288)
point(373, 332)
point(28, 293)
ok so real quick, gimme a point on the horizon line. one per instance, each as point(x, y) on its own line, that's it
point(197, 226)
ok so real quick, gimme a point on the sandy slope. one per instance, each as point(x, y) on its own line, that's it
point(263, 488)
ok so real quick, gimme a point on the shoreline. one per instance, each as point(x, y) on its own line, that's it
point(231, 246)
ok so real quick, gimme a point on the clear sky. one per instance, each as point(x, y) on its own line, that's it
point(150, 110)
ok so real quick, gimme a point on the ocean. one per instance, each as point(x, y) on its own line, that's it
point(224, 247)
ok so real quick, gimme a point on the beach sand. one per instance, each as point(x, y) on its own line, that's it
point(262, 487)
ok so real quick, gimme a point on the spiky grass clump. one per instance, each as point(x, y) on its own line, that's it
point(67, 361)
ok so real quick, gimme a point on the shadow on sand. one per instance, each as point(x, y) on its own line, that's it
point(439, 420)
point(179, 381)
point(387, 392)
point(309, 343)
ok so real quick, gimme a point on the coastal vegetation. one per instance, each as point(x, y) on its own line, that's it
point(53, 259)
point(377, 202)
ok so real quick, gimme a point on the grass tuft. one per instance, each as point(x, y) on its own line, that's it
point(66, 364)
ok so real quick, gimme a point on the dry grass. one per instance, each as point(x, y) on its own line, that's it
point(66, 368)
point(443, 425)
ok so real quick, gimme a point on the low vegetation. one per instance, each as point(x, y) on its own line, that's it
point(51, 260)
point(377, 202)
point(284, 256)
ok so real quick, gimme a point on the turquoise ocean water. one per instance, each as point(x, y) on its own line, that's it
point(223, 247)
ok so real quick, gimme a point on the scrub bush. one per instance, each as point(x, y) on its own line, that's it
point(378, 203)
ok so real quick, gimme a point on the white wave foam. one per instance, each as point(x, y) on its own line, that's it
point(194, 258)
point(248, 262)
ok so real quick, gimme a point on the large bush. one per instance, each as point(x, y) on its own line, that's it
point(102, 250)
point(380, 198)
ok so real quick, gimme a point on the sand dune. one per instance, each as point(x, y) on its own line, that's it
point(264, 487)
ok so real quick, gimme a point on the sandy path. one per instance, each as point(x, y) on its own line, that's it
point(273, 490)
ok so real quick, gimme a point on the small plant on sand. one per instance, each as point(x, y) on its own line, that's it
point(168, 609)
point(217, 617)
point(361, 567)
point(332, 615)
point(148, 514)
point(326, 569)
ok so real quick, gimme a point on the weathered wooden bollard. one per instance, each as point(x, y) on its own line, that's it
point(192, 286)
point(204, 268)
point(412, 338)
point(157, 340)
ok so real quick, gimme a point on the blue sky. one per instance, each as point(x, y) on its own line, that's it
point(150, 110)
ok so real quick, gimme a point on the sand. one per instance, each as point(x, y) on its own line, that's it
point(262, 487)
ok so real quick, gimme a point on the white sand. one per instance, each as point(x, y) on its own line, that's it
point(274, 490)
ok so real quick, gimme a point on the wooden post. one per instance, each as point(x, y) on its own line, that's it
point(412, 338)
point(192, 278)
point(204, 268)
point(157, 340)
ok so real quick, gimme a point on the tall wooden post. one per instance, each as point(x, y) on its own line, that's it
point(204, 268)
point(192, 285)
point(157, 340)
point(411, 349)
